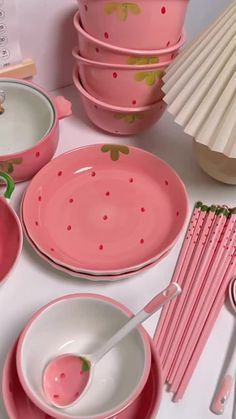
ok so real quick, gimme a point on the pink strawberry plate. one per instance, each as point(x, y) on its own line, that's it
point(105, 209)
point(19, 406)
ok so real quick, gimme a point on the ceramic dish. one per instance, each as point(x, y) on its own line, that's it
point(33, 116)
point(19, 406)
point(105, 192)
point(88, 276)
point(11, 236)
point(123, 24)
point(78, 324)
point(134, 84)
point(94, 49)
point(116, 119)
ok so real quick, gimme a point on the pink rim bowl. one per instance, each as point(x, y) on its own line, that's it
point(19, 406)
point(122, 85)
point(150, 24)
point(116, 119)
point(94, 49)
point(24, 164)
point(77, 324)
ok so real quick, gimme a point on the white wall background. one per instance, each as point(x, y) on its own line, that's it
point(47, 33)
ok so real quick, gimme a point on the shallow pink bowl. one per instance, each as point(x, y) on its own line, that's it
point(115, 119)
point(94, 49)
point(150, 24)
point(122, 85)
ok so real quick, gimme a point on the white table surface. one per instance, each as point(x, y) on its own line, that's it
point(33, 283)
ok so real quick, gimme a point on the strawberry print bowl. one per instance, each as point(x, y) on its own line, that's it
point(122, 207)
point(97, 50)
point(79, 323)
point(118, 120)
point(29, 121)
point(150, 24)
point(136, 84)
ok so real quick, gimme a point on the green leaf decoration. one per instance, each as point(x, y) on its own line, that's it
point(141, 76)
point(7, 166)
point(115, 149)
point(160, 74)
point(133, 8)
point(86, 364)
point(122, 12)
point(143, 60)
point(111, 8)
point(154, 60)
point(151, 78)
point(10, 168)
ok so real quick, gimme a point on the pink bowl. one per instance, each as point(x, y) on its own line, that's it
point(150, 24)
point(122, 85)
point(115, 119)
point(94, 49)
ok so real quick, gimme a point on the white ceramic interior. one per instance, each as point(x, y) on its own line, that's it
point(80, 325)
point(29, 116)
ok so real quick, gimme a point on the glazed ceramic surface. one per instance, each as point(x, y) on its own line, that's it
point(105, 192)
point(11, 237)
point(90, 277)
point(19, 406)
point(150, 24)
point(217, 165)
point(29, 127)
point(137, 84)
point(94, 49)
point(115, 119)
point(79, 324)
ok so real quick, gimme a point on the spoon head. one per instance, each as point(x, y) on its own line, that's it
point(232, 294)
point(65, 379)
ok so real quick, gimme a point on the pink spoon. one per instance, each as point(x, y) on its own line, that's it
point(67, 377)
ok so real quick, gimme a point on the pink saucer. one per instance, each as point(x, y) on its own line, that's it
point(18, 405)
point(105, 209)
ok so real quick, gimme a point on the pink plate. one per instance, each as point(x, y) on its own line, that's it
point(90, 277)
point(105, 209)
point(19, 406)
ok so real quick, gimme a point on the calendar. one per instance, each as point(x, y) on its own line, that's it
point(10, 52)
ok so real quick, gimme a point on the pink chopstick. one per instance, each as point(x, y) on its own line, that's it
point(166, 311)
point(207, 295)
point(215, 310)
point(171, 323)
point(196, 271)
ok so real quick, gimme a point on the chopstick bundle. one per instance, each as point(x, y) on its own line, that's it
point(185, 327)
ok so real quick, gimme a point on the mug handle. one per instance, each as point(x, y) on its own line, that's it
point(10, 184)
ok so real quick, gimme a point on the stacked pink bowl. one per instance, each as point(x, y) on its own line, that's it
point(122, 54)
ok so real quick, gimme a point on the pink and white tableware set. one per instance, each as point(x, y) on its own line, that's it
point(122, 53)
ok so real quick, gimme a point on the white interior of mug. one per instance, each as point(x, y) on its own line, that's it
point(28, 117)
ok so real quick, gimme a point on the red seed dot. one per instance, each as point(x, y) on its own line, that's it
point(142, 209)
point(106, 35)
point(95, 106)
point(36, 223)
point(172, 56)
point(114, 75)
point(107, 193)
point(168, 44)
point(55, 396)
point(59, 173)
point(166, 182)
point(39, 198)
point(71, 200)
point(105, 217)
point(76, 395)
point(86, 7)
point(134, 102)
point(68, 228)
point(93, 174)
point(177, 213)
point(142, 241)
point(163, 10)
point(52, 250)
point(62, 375)
point(37, 154)
point(97, 49)
point(131, 180)
point(101, 247)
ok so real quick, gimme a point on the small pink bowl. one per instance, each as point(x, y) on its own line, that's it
point(129, 85)
point(150, 24)
point(94, 49)
point(115, 119)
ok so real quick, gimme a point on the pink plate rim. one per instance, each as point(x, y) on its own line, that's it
point(144, 152)
point(127, 51)
point(142, 331)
